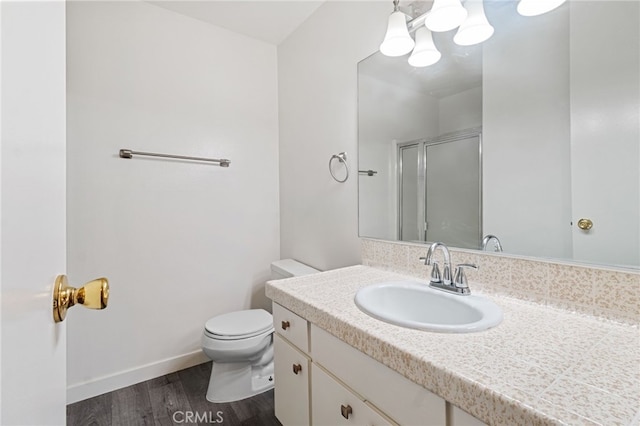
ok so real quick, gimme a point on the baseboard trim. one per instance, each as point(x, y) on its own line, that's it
point(100, 385)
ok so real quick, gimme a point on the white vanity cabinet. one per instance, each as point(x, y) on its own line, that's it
point(323, 381)
point(333, 404)
point(457, 417)
point(291, 367)
point(400, 399)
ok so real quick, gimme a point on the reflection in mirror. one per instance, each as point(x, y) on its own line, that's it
point(555, 104)
point(440, 191)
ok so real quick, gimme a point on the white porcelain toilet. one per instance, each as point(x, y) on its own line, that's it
point(240, 344)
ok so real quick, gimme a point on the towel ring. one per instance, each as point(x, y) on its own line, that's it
point(341, 157)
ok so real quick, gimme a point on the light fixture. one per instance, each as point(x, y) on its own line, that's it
point(425, 53)
point(397, 41)
point(475, 29)
point(537, 7)
point(445, 15)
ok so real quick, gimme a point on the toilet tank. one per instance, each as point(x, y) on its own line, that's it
point(287, 268)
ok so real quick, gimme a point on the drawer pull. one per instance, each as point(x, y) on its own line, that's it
point(346, 411)
point(297, 368)
point(285, 325)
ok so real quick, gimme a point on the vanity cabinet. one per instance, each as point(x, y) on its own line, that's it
point(321, 380)
point(291, 367)
point(333, 404)
point(401, 400)
point(457, 417)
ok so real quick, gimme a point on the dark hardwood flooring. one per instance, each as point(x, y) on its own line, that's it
point(168, 400)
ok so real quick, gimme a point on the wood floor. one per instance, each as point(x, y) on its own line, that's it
point(168, 400)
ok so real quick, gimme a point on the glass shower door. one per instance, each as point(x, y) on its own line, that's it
point(453, 192)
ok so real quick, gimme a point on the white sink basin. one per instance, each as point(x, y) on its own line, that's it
point(414, 305)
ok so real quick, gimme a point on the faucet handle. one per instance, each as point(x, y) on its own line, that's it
point(435, 273)
point(460, 279)
point(423, 259)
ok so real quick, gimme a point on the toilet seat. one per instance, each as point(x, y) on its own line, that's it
point(239, 325)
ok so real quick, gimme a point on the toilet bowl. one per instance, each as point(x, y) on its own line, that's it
point(240, 344)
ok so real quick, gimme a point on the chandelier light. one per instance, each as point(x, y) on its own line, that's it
point(476, 28)
point(537, 7)
point(446, 15)
point(425, 53)
point(397, 41)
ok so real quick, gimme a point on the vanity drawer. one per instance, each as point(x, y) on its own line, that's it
point(291, 372)
point(398, 397)
point(457, 417)
point(335, 405)
point(292, 327)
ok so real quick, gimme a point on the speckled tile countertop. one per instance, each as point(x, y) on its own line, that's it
point(541, 365)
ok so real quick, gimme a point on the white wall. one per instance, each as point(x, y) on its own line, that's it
point(180, 242)
point(460, 111)
point(317, 76)
point(605, 146)
point(526, 136)
point(414, 116)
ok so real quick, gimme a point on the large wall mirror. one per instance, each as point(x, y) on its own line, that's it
point(520, 137)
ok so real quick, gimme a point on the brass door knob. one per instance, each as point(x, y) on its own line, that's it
point(297, 368)
point(285, 325)
point(93, 295)
point(346, 411)
point(585, 224)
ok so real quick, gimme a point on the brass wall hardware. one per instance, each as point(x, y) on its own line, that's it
point(93, 295)
point(346, 411)
point(297, 368)
point(585, 224)
point(285, 325)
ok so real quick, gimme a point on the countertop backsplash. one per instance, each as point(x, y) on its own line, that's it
point(599, 291)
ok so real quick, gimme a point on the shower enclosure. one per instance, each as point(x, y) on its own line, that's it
point(440, 189)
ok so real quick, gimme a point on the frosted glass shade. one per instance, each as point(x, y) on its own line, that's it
point(397, 41)
point(425, 53)
point(537, 7)
point(475, 29)
point(445, 15)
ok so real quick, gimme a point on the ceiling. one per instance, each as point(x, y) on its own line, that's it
point(266, 20)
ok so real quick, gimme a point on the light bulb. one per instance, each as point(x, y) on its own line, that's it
point(445, 15)
point(397, 41)
point(475, 29)
point(537, 7)
point(425, 53)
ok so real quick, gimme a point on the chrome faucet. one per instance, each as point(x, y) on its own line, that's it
point(487, 239)
point(459, 284)
point(446, 271)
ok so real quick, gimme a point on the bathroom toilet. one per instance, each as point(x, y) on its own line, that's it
point(240, 344)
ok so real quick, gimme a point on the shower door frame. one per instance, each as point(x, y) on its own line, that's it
point(422, 144)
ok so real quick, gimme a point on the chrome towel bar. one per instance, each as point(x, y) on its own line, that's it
point(127, 153)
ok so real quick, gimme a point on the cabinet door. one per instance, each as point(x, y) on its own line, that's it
point(402, 400)
point(457, 417)
point(291, 371)
point(335, 405)
point(292, 327)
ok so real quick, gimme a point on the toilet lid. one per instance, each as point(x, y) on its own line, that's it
point(240, 323)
